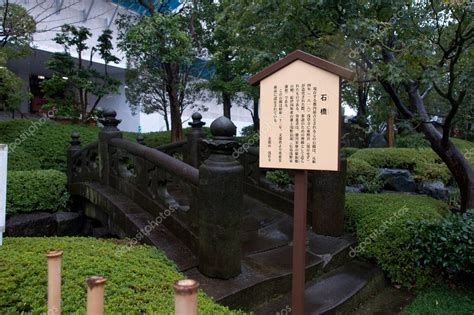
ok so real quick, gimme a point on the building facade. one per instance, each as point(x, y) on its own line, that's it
point(96, 15)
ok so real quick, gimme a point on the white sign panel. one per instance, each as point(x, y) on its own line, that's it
point(3, 188)
point(300, 117)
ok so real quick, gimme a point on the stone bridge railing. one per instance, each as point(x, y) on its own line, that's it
point(204, 198)
point(203, 182)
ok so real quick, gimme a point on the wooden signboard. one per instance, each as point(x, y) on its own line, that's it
point(300, 113)
point(300, 130)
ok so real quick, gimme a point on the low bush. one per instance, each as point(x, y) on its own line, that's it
point(139, 278)
point(380, 223)
point(357, 169)
point(446, 246)
point(349, 151)
point(424, 163)
point(40, 190)
point(278, 177)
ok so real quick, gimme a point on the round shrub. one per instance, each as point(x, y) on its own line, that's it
point(446, 246)
point(357, 169)
point(139, 278)
point(380, 222)
point(40, 190)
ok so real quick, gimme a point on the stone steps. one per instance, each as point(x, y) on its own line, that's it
point(334, 281)
point(337, 292)
point(266, 275)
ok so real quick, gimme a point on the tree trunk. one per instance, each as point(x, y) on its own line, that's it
point(459, 166)
point(172, 72)
point(227, 104)
point(391, 129)
point(256, 116)
point(165, 117)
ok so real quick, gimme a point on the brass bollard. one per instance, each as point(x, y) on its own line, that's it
point(54, 282)
point(185, 301)
point(95, 295)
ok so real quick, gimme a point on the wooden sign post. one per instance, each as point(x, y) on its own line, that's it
point(300, 130)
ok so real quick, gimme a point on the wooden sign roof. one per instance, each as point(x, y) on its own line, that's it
point(301, 55)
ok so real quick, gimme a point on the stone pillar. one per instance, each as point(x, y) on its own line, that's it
point(193, 154)
point(73, 148)
point(327, 200)
point(220, 204)
point(108, 132)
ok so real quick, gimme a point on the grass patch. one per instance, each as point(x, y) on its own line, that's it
point(441, 299)
point(138, 281)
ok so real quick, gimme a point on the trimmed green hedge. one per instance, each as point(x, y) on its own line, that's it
point(139, 279)
point(380, 222)
point(424, 163)
point(42, 144)
point(348, 151)
point(357, 169)
point(41, 190)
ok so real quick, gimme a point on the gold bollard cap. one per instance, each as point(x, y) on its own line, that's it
point(54, 254)
point(186, 287)
point(95, 281)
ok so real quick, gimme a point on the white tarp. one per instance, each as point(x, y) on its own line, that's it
point(3, 188)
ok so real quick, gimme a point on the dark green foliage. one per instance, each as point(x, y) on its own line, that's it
point(44, 145)
point(41, 190)
point(411, 140)
point(357, 169)
point(441, 299)
point(424, 163)
point(380, 223)
point(446, 246)
point(349, 151)
point(278, 177)
point(139, 278)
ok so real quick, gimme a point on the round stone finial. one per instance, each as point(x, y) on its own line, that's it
point(110, 113)
point(196, 117)
point(223, 127)
point(196, 123)
point(75, 138)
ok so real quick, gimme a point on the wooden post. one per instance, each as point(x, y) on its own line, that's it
point(390, 128)
point(3, 188)
point(185, 302)
point(95, 295)
point(299, 241)
point(54, 282)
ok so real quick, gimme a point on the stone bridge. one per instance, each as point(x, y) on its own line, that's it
point(208, 206)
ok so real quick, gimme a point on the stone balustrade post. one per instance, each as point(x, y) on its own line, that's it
point(220, 204)
point(108, 132)
point(73, 148)
point(193, 152)
point(328, 200)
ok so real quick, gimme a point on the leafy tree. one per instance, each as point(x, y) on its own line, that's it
point(419, 53)
point(74, 82)
point(16, 29)
point(159, 50)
